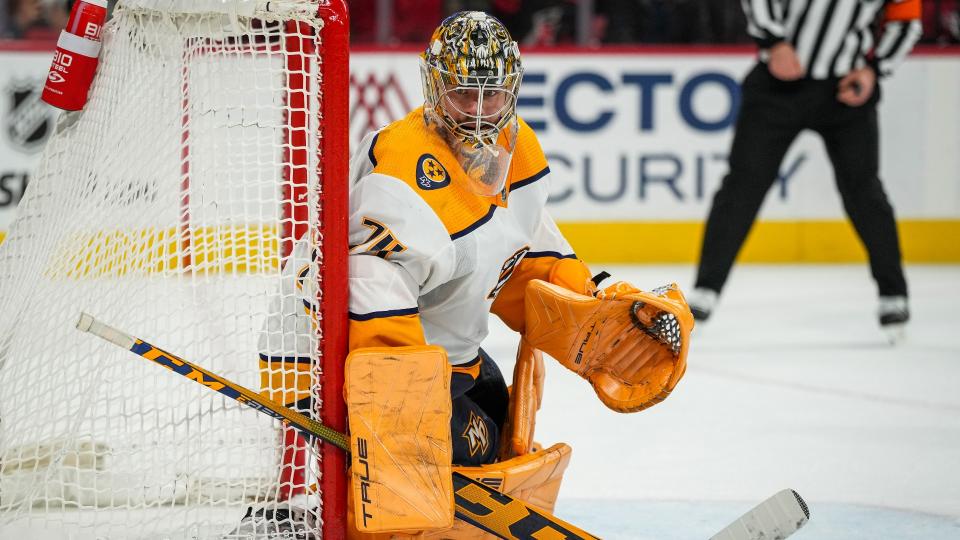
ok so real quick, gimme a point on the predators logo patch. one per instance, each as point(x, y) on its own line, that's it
point(476, 434)
point(431, 174)
point(507, 270)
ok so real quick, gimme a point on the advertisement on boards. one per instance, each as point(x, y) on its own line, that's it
point(631, 137)
point(26, 124)
point(636, 137)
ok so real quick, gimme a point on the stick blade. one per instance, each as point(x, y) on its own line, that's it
point(774, 519)
point(86, 323)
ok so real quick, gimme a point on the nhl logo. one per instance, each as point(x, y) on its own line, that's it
point(29, 120)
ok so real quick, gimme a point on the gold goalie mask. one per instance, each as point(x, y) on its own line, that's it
point(471, 74)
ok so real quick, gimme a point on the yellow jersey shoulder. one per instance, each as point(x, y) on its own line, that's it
point(529, 162)
point(412, 152)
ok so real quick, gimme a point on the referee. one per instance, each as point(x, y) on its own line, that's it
point(818, 68)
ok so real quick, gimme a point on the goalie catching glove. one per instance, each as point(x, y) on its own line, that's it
point(630, 344)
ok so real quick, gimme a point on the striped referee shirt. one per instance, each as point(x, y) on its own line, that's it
point(833, 37)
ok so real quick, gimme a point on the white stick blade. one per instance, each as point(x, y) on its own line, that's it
point(87, 323)
point(774, 519)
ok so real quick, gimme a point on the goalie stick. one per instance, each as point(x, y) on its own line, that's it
point(497, 513)
point(774, 519)
point(477, 504)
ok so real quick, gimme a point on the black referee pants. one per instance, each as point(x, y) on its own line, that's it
point(772, 114)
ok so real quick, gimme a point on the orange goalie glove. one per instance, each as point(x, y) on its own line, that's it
point(630, 344)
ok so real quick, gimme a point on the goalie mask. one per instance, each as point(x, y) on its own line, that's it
point(471, 73)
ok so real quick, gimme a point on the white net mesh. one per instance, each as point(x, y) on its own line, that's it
point(168, 208)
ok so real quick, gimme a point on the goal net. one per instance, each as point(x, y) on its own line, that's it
point(214, 142)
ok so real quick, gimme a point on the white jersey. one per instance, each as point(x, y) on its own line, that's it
point(429, 257)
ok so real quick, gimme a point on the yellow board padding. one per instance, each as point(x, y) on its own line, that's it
point(227, 249)
point(835, 241)
point(246, 249)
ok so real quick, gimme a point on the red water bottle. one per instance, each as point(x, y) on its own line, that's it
point(75, 60)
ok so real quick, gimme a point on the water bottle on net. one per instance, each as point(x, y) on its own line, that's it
point(76, 58)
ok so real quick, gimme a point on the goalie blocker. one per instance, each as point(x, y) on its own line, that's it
point(398, 402)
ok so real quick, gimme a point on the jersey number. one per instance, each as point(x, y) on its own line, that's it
point(381, 241)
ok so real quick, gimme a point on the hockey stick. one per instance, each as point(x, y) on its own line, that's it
point(775, 518)
point(495, 512)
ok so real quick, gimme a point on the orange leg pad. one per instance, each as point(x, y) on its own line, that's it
point(534, 478)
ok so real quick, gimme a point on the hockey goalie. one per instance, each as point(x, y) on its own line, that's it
point(447, 224)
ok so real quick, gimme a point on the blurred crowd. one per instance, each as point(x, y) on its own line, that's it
point(32, 19)
point(532, 22)
point(555, 22)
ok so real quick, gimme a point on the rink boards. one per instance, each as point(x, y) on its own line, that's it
point(637, 141)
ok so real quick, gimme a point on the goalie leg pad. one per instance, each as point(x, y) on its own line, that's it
point(631, 345)
point(398, 403)
point(526, 395)
point(534, 478)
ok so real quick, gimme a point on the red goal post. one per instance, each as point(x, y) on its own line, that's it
point(336, 76)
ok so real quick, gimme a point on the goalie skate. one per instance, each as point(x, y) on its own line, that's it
point(283, 521)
